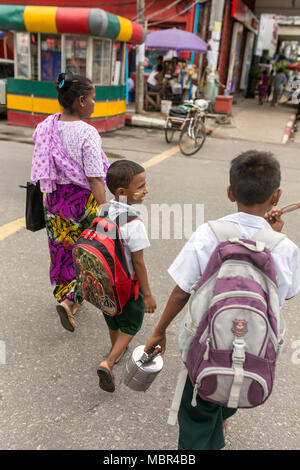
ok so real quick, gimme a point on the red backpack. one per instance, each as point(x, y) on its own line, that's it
point(100, 264)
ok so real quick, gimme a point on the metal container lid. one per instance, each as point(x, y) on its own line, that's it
point(151, 367)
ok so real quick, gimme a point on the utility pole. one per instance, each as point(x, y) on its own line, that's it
point(140, 58)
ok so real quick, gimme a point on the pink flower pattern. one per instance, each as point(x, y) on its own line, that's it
point(66, 152)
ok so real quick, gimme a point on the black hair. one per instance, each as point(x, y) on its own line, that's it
point(254, 176)
point(70, 86)
point(120, 174)
point(159, 68)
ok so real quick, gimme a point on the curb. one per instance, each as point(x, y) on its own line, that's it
point(288, 128)
point(143, 121)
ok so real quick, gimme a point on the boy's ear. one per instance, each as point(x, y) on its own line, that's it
point(276, 196)
point(121, 192)
point(230, 194)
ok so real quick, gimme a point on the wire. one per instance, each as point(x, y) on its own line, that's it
point(147, 7)
point(174, 16)
point(163, 9)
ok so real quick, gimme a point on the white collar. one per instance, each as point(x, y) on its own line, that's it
point(250, 220)
point(125, 206)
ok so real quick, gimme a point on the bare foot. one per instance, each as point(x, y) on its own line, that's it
point(75, 307)
point(120, 357)
point(67, 306)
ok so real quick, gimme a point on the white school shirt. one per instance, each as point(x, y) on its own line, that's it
point(133, 233)
point(151, 79)
point(190, 264)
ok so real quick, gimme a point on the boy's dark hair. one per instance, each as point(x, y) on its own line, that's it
point(159, 68)
point(120, 174)
point(254, 176)
point(70, 86)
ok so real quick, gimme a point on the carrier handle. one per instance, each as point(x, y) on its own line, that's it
point(108, 226)
point(146, 355)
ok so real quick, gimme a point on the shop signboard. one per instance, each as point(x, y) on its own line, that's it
point(235, 54)
point(247, 60)
point(244, 15)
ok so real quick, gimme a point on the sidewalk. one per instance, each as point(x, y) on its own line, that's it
point(249, 121)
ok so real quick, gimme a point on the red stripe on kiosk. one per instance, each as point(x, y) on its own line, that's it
point(137, 34)
point(73, 20)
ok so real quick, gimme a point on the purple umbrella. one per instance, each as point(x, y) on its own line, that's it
point(175, 39)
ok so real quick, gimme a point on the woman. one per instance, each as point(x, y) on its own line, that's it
point(71, 166)
point(263, 87)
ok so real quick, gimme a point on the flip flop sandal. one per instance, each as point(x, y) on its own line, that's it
point(106, 381)
point(64, 318)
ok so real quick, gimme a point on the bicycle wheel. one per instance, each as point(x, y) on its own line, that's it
point(169, 132)
point(189, 143)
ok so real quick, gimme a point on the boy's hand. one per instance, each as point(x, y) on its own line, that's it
point(150, 303)
point(274, 219)
point(154, 341)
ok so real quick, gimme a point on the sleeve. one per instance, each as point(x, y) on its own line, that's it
point(294, 286)
point(92, 154)
point(192, 260)
point(135, 235)
point(287, 261)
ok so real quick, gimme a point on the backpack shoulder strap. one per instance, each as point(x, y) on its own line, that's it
point(125, 218)
point(104, 211)
point(224, 230)
point(269, 237)
point(122, 219)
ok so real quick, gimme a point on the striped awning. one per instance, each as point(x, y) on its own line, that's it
point(72, 20)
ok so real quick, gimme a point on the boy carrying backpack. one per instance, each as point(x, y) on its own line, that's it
point(115, 278)
point(237, 273)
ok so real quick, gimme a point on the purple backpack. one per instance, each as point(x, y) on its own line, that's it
point(230, 339)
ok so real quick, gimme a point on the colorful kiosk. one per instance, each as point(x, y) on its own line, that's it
point(88, 41)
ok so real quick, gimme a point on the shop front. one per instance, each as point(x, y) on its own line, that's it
point(245, 27)
point(86, 41)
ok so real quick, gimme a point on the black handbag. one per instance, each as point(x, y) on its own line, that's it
point(34, 212)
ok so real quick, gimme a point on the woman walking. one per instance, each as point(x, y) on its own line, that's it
point(263, 87)
point(71, 166)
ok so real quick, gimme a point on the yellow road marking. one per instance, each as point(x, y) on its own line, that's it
point(11, 227)
point(161, 157)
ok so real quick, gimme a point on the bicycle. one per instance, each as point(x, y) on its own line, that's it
point(189, 119)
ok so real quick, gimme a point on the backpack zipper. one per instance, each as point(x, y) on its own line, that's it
point(227, 371)
point(237, 293)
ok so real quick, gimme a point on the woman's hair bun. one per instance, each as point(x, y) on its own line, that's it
point(64, 81)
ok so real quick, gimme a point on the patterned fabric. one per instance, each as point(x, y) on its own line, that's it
point(68, 211)
point(66, 152)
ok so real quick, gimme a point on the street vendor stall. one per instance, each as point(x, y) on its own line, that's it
point(87, 41)
point(179, 74)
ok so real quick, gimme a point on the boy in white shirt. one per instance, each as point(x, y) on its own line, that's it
point(254, 186)
point(126, 180)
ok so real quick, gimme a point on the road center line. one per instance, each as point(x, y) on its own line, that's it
point(12, 227)
point(161, 157)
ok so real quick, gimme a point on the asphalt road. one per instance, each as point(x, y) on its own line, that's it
point(49, 393)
